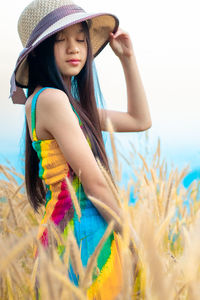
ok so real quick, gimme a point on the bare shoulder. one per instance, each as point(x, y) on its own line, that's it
point(55, 110)
point(48, 98)
point(53, 104)
point(51, 98)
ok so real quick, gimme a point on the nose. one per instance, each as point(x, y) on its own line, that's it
point(72, 46)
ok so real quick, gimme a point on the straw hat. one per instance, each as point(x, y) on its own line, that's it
point(43, 18)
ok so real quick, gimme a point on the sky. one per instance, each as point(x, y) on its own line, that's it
point(165, 38)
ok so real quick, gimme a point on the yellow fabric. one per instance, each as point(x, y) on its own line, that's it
point(109, 282)
point(53, 162)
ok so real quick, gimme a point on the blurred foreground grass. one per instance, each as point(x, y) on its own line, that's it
point(165, 236)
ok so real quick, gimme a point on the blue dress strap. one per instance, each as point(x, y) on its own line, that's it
point(33, 112)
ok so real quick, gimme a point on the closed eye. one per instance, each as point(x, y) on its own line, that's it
point(81, 41)
point(59, 40)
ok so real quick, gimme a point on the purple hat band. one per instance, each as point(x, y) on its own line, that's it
point(52, 18)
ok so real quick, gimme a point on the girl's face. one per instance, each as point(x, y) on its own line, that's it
point(70, 50)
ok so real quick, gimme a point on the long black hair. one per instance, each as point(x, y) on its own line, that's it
point(44, 72)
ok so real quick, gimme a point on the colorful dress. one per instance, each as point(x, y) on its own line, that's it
point(88, 231)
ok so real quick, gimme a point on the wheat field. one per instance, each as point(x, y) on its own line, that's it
point(164, 261)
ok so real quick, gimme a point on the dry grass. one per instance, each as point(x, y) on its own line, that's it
point(165, 239)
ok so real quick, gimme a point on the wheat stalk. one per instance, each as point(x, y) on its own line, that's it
point(6, 260)
point(66, 282)
point(74, 198)
point(75, 255)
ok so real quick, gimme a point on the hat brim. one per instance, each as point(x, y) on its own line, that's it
point(101, 26)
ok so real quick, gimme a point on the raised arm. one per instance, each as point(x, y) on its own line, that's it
point(137, 117)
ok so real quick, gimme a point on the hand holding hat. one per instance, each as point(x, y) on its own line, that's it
point(121, 44)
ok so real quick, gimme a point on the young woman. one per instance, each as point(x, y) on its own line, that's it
point(63, 126)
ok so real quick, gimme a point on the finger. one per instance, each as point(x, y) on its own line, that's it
point(111, 37)
point(120, 33)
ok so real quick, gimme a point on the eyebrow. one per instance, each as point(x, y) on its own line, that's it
point(80, 30)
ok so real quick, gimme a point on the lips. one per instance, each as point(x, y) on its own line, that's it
point(73, 60)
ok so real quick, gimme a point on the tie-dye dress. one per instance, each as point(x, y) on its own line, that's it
point(88, 231)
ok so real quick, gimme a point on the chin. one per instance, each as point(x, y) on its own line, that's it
point(72, 73)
